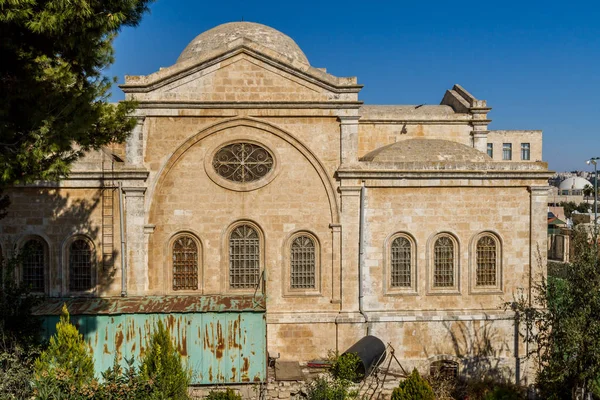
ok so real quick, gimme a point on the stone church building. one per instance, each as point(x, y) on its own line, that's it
point(266, 211)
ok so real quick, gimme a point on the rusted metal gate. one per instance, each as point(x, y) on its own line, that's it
point(222, 339)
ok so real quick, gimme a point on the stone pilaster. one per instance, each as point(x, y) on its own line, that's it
point(349, 139)
point(135, 144)
point(480, 140)
point(350, 233)
point(538, 232)
point(137, 271)
point(336, 265)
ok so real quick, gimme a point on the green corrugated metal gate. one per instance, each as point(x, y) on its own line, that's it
point(224, 344)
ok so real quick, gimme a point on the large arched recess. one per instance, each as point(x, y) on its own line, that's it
point(257, 124)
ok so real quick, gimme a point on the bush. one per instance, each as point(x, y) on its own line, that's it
point(123, 383)
point(330, 389)
point(346, 367)
point(66, 362)
point(228, 394)
point(413, 388)
point(161, 364)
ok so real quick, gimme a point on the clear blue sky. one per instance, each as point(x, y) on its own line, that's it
point(536, 63)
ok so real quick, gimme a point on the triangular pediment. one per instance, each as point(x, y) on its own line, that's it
point(243, 78)
point(244, 75)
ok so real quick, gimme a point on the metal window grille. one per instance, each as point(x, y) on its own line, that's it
point(185, 264)
point(525, 153)
point(80, 265)
point(243, 162)
point(443, 261)
point(244, 258)
point(490, 150)
point(507, 151)
point(401, 262)
point(303, 263)
point(444, 369)
point(486, 261)
point(34, 262)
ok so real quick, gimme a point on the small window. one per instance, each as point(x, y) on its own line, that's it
point(244, 258)
point(525, 151)
point(185, 263)
point(507, 151)
point(34, 264)
point(81, 259)
point(401, 260)
point(490, 150)
point(303, 263)
point(443, 262)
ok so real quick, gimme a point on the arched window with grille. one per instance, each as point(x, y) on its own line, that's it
point(303, 263)
point(444, 272)
point(401, 263)
point(33, 267)
point(185, 263)
point(244, 257)
point(487, 263)
point(81, 265)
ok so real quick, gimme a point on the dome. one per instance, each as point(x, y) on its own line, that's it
point(426, 150)
point(574, 183)
point(226, 33)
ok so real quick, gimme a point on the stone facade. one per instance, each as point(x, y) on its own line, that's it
point(351, 177)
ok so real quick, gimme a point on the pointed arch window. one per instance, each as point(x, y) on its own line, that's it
point(244, 257)
point(33, 269)
point(303, 263)
point(81, 266)
point(185, 263)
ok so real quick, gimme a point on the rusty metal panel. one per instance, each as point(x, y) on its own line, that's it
point(224, 347)
point(151, 304)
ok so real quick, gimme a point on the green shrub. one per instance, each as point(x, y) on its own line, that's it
point(123, 383)
point(66, 361)
point(330, 389)
point(505, 392)
point(413, 388)
point(346, 367)
point(228, 394)
point(162, 366)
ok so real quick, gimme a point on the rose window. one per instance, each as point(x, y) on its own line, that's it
point(243, 162)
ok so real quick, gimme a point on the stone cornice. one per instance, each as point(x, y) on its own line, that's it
point(416, 122)
point(175, 105)
point(440, 174)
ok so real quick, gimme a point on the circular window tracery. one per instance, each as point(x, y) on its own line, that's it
point(243, 162)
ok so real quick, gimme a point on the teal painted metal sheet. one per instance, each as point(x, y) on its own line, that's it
point(219, 347)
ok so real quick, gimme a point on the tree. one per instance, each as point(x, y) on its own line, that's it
point(53, 94)
point(162, 365)
point(66, 358)
point(563, 325)
point(588, 190)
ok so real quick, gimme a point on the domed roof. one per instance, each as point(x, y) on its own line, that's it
point(426, 150)
point(226, 33)
point(574, 183)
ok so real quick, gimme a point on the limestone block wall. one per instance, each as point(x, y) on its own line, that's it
point(463, 212)
point(373, 135)
point(516, 138)
point(56, 215)
point(187, 199)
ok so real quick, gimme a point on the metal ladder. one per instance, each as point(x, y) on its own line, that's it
point(108, 197)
